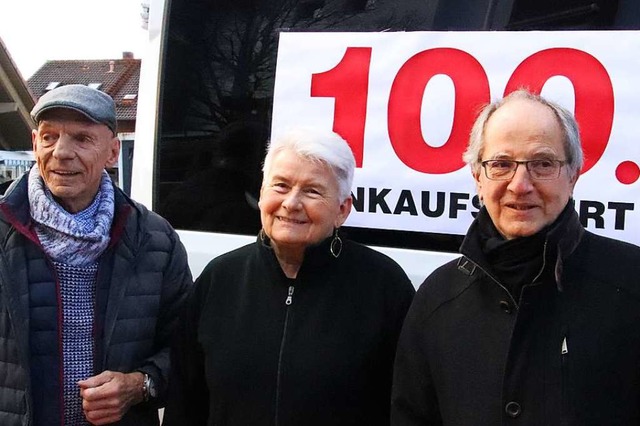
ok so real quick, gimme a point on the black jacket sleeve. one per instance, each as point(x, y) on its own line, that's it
point(188, 396)
point(413, 400)
point(177, 281)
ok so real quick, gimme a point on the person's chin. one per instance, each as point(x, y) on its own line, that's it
point(60, 191)
point(520, 228)
point(525, 231)
point(61, 182)
point(287, 237)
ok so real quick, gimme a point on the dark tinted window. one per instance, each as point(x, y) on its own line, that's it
point(552, 14)
point(217, 82)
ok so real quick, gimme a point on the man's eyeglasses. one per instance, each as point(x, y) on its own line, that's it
point(538, 169)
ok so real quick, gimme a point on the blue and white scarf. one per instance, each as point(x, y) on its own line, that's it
point(74, 239)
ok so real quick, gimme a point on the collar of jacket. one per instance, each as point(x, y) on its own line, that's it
point(316, 256)
point(563, 236)
point(15, 206)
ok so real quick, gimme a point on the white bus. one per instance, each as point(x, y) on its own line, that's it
point(206, 103)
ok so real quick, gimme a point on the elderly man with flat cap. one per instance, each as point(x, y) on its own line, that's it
point(90, 281)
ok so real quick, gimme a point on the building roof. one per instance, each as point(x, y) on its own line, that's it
point(119, 78)
point(15, 104)
point(17, 157)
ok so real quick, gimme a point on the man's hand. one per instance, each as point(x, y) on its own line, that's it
point(109, 395)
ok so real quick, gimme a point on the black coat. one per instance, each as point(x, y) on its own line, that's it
point(567, 353)
point(143, 279)
point(258, 348)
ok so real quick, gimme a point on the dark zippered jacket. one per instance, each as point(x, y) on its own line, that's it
point(258, 348)
point(143, 279)
point(566, 353)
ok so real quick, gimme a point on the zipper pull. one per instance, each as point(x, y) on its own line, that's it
point(289, 296)
point(565, 348)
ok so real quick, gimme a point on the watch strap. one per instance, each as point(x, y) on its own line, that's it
point(146, 385)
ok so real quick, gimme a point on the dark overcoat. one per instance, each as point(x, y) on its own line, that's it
point(566, 353)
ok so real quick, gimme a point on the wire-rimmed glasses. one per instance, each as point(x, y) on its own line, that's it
point(542, 169)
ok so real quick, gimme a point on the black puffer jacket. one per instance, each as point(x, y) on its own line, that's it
point(143, 278)
point(567, 352)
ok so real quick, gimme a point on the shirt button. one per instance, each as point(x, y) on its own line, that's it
point(512, 409)
point(505, 306)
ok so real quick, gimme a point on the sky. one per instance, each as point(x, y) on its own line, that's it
point(35, 31)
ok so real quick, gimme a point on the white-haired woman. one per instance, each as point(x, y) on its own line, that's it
point(300, 327)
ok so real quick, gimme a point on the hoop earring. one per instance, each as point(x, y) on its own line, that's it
point(264, 240)
point(336, 244)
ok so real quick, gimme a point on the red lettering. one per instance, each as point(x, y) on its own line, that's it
point(348, 83)
point(594, 101)
point(405, 102)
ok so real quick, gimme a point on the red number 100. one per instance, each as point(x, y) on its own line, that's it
point(348, 84)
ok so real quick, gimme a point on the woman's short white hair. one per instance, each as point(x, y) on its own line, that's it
point(316, 145)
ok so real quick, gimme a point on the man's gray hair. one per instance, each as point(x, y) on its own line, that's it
point(316, 145)
point(572, 146)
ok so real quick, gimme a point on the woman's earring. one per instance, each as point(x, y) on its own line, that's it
point(264, 240)
point(336, 244)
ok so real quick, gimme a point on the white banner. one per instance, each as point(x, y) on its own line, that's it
point(405, 102)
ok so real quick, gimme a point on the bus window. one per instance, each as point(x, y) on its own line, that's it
point(217, 79)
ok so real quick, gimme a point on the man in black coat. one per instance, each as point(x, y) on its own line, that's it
point(538, 322)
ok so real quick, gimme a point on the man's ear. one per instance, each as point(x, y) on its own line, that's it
point(34, 139)
point(476, 177)
point(574, 180)
point(114, 152)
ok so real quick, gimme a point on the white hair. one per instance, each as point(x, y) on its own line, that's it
point(571, 134)
point(316, 145)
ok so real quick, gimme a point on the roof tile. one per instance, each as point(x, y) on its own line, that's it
point(119, 77)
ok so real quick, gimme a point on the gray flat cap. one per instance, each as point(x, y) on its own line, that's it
point(94, 104)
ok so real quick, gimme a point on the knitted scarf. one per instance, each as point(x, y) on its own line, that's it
point(74, 239)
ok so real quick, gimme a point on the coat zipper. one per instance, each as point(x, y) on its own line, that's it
point(544, 261)
point(60, 319)
point(564, 375)
point(288, 302)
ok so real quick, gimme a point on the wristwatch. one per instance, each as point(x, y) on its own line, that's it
point(148, 388)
